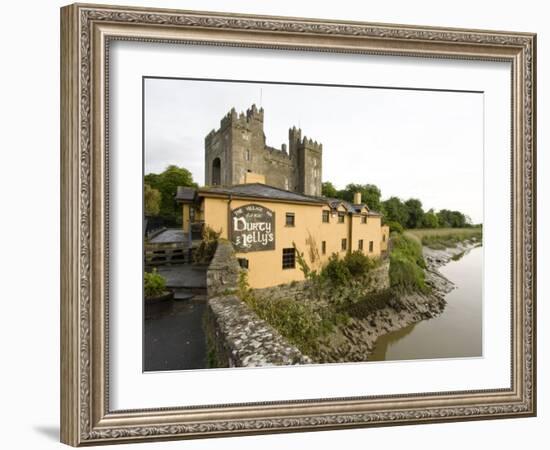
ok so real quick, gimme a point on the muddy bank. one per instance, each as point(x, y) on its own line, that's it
point(356, 340)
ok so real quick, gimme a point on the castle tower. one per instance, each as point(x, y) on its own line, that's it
point(231, 150)
point(310, 167)
point(237, 152)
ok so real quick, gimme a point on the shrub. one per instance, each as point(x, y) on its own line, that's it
point(336, 271)
point(410, 248)
point(358, 263)
point(395, 227)
point(206, 249)
point(405, 275)
point(154, 284)
point(407, 265)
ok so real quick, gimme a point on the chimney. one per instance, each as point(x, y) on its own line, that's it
point(357, 198)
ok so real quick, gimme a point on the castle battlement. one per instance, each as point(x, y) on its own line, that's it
point(311, 144)
point(239, 147)
point(279, 153)
point(242, 119)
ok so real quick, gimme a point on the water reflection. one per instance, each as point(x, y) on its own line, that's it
point(457, 332)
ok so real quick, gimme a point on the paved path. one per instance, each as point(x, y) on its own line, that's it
point(174, 333)
point(184, 275)
point(175, 338)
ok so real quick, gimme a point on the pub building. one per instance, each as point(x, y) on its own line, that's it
point(265, 225)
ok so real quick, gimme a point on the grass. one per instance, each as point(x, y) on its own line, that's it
point(298, 322)
point(441, 238)
point(407, 264)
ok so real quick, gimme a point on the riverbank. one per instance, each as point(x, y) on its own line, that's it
point(356, 339)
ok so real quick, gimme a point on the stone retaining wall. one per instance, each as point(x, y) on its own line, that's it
point(237, 337)
point(242, 339)
point(222, 275)
point(379, 277)
point(378, 280)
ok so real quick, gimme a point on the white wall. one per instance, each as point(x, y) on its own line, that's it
point(29, 107)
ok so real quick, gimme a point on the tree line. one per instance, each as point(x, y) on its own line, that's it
point(160, 189)
point(397, 213)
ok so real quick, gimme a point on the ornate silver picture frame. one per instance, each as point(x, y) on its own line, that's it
point(87, 33)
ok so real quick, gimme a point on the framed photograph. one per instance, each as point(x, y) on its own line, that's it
point(275, 224)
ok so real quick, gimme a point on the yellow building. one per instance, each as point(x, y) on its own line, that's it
point(265, 224)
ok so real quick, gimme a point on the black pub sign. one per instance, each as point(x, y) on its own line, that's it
point(252, 228)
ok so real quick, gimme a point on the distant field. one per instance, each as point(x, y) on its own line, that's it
point(439, 238)
point(421, 232)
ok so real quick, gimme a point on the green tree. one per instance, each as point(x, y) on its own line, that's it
point(151, 199)
point(167, 183)
point(395, 227)
point(430, 219)
point(451, 219)
point(394, 210)
point(370, 194)
point(328, 190)
point(415, 213)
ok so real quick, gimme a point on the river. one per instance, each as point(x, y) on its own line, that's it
point(457, 332)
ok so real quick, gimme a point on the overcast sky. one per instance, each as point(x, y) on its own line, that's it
point(421, 144)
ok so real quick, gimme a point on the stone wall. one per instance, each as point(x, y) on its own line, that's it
point(222, 275)
point(237, 337)
point(379, 277)
point(241, 339)
point(378, 280)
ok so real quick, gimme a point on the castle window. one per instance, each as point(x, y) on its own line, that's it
point(324, 247)
point(326, 216)
point(216, 171)
point(344, 244)
point(247, 154)
point(289, 220)
point(289, 258)
point(286, 183)
point(363, 219)
point(360, 244)
point(383, 238)
point(341, 217)
point(371, 246)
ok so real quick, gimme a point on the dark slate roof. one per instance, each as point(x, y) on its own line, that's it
point(351, 207)
point(262, 191)
point(334, 202)
point(185, 193)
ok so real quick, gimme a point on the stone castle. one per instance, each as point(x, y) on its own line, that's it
point(237, 153)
